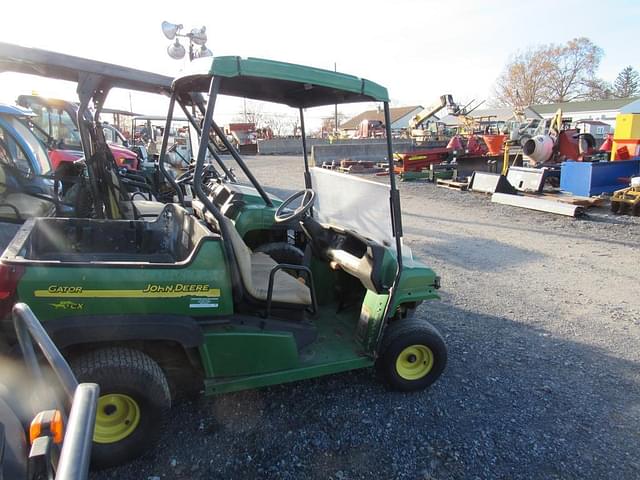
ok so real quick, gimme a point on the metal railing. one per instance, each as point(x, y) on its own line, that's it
point(82, 398)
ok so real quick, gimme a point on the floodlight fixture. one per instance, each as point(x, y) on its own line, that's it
point(170, 29)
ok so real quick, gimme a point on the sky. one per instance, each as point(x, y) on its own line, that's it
point(419, 50)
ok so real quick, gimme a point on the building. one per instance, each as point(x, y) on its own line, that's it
point(597, 128)
point(400, 117)
point(602, 110)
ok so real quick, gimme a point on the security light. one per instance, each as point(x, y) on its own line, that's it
point(176, 50)
point(198, 35)
point(170, 29)
point(203, 52)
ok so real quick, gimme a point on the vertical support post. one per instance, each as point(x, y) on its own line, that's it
point(194, 123)
point(307, 174)
point(396, 216)
point(163, 151)
point(202, 149)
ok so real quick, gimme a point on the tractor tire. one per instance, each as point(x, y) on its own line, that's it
point(413, 355)
point(615, 206)
point(282, 252)
point(636, 210)
point(133, 404)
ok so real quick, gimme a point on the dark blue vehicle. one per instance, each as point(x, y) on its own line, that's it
point(27, 188)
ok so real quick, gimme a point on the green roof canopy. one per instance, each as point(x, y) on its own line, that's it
point(294, 85)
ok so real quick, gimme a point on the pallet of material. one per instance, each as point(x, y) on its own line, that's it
point(452, 184)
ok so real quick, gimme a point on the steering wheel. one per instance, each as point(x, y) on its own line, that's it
point(308, 198)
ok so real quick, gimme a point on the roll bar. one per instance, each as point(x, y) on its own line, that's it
point(82, 399)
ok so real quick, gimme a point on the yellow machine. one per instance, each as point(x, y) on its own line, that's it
point(415, 129)
point(627, 134)
point(626, 200)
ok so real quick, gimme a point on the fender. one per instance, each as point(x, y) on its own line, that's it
point(81, 329)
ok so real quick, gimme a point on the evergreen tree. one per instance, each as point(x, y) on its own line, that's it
point(627, 83)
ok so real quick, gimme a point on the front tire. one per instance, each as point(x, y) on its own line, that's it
point(413, 355)
point(133, 404)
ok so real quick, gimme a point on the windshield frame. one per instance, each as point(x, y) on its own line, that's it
point(29, 143)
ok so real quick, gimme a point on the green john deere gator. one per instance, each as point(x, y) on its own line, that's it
point(147, 308)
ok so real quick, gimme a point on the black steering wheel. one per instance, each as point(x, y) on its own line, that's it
point(308, 198)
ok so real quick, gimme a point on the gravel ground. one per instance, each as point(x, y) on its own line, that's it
point(541, 314)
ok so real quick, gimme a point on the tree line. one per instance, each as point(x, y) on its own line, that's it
point(555, 73)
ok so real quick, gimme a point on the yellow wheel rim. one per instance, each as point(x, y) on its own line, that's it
point(414, 362)
point(117, 417)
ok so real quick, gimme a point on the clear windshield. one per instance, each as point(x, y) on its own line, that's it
point(353, 203)
point(43, 165)
point(57, 124)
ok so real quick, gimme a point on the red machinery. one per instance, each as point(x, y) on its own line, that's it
point(419, 160)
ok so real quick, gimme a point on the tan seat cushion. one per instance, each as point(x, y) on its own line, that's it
point(28, 206)
point(286, 289)
point(148, 208)
point(255, 268)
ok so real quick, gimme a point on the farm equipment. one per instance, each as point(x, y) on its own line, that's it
point(419, 160)
point(27, 187)
point(416, 129)
point(627, 199)
point(150, 308)
point(56, 123)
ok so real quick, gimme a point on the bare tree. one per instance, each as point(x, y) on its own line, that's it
point(523, 81)
point(550, 73)
point(282, 125)
point(598, 89)
point(573, 66)
point(252, 113)
point(329, 123)
point(627, 83)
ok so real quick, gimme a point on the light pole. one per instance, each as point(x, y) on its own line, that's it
point(197, 36)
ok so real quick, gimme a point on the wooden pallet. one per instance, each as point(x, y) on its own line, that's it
point(452, 184)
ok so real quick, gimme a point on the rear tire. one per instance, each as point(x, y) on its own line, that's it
point(413, 355)
point(134, 402)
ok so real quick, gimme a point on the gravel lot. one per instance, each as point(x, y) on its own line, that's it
point(542, 318)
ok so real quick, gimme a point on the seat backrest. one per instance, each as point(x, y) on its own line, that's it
point(241, 252)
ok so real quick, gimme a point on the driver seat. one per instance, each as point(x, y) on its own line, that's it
point(255, 269)
point(19, 205)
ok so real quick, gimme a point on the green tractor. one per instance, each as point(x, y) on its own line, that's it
point(147, 309)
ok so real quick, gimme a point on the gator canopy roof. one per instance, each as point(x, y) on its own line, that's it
point(44, 63)
point(294, 85)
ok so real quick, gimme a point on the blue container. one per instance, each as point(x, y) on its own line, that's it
point(587, 179)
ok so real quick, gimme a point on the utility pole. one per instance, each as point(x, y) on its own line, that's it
point(244, 101)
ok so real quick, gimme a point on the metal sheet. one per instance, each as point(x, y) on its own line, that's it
point(527, 179)
point(539, 204)
point(490, 183)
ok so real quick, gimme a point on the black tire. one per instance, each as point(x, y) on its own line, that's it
point(79, 195)
point(398, 339)
point(615, 206)
point(282, 252)
point(131, 373)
